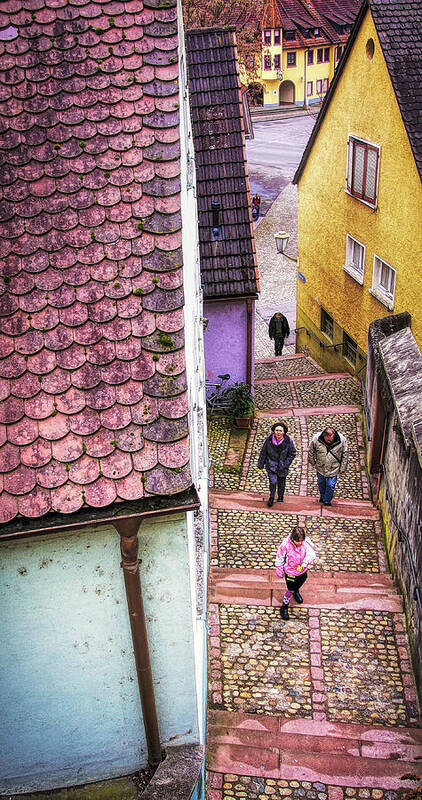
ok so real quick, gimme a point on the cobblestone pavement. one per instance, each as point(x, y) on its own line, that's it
point(337, 391)
point(244, 787)
point(265, 664)
point(249, 540)
point(256, 481)
point(363, 670)
point(334, 665)
point(273, 395)
point(288, 368)
point(218, 443)
point(350, 483)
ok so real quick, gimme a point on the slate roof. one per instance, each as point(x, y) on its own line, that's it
point(399, 28)
point(402, 362)
point(93, 403)
point(228, 265)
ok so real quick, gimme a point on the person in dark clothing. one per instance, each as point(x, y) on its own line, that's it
point(277, 453)
point(256, 203)
point(278, 330)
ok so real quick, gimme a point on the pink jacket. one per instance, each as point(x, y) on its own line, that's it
point(289, 557)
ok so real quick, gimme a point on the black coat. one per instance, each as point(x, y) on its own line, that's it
point(285, 327)
point(277, 458)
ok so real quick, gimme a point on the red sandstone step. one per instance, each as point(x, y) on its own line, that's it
point(372, 581)
point(313, 735)
point(293, 504)
point(352, 591)
point(312, 377)
point(330, 768)
point(271, 724)
point(306, 411)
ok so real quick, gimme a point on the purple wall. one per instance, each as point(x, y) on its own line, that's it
point(226, 339)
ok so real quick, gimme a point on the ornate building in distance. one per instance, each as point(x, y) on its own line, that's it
point(302, 43)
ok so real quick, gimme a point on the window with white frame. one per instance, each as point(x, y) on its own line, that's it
point(383, 282)
point(362, 170)
point(355, 258)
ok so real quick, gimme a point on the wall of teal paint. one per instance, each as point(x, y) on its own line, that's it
point(69, 699)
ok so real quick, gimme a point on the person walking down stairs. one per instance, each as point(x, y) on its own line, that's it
point(294, 556)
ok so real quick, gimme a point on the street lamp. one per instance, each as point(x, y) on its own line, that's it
point(281, 240)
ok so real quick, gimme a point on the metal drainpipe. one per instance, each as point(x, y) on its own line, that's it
point(305, 91)
point(128, 531)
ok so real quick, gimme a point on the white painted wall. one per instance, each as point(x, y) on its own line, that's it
point(195, 368)
point(69, 700)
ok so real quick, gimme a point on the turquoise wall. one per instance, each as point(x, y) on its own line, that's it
point(69, 699)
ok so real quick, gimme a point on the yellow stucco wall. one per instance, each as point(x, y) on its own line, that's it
point(363, 105)
point(299, 75)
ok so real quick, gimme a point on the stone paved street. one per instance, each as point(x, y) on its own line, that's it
point(324, 705)
point(244, 787)
point(250, 540)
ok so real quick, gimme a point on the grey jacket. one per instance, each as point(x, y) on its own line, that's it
point(329, 460)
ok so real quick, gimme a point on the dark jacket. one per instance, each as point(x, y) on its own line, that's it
point(277, 458)
point(272, 327)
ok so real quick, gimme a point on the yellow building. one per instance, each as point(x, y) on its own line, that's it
point(302, 43)
point(360, 198)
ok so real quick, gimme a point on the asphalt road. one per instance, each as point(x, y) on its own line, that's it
point(274, 154)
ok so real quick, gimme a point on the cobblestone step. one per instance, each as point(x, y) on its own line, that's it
point(319, 376)
point(349, 591)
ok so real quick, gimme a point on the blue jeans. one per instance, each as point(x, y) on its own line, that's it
point(326, 487)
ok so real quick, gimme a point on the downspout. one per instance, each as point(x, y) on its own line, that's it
point(128, 531)
point(249, 310)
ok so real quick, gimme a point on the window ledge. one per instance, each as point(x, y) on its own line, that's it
point(361, 200)
point(385, 299)
point(354, 273)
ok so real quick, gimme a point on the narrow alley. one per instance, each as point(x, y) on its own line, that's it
point(323, 706)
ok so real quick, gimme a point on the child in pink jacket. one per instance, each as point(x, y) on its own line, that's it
point(294, 556)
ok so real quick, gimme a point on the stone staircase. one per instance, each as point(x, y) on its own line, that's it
point(322, 706)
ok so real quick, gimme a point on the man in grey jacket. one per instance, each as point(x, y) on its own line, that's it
point(328, 453)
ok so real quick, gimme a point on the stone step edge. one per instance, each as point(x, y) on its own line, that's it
point(305, 411)
point(334, 770)
point(373, 582)
point(272, 724)
point(304, 505)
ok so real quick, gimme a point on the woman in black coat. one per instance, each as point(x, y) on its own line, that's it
point(277, 453)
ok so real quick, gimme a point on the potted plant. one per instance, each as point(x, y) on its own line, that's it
point(241, 405)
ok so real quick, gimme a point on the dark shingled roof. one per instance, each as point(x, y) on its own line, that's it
point(330, 16)
point(93, 402)
point(399, 27)
point(228, 266)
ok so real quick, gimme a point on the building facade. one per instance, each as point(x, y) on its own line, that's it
point(228, 263)
point(360, 198)
point(103, 466)
point(302, 44)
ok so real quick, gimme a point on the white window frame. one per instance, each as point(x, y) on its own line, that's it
point(384, 295)
point(355, 272)
point(361, 196)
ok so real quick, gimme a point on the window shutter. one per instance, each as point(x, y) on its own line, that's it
point(358, 167)
point(371, 175)
point(349, 164)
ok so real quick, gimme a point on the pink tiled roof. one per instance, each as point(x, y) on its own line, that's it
point(93, 405)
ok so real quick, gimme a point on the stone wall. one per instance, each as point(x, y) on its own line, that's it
point(394, 389)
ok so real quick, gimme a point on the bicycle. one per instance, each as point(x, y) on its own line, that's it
point(219, 402)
